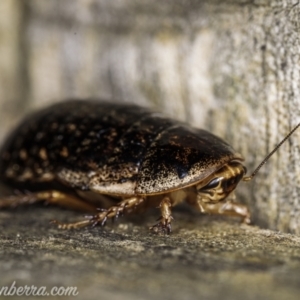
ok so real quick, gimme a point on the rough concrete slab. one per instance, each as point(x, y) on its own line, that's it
point(204, 258)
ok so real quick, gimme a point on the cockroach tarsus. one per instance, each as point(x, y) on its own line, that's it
point(75, 152)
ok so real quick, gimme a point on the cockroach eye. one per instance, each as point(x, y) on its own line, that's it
point(212, 184)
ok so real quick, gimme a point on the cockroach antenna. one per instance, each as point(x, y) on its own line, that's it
point(248, 178)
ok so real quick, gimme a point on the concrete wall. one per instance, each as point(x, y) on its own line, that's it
point(231, 67)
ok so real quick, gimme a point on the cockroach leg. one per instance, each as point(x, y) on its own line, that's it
point(227, 208)
point(18, 199)
point(164, 224)
point(49, 197)
point(126, 206)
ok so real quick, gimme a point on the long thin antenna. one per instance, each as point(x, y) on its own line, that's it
point(247, 178)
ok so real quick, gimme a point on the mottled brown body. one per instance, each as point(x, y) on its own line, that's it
point(119, 150)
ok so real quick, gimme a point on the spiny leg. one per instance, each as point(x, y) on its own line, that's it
point(49, 197)
point(164, 224)
point(126, 206)
point(227, 208)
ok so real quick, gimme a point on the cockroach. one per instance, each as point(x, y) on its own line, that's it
point(72, 151)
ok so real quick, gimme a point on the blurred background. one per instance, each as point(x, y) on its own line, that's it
point(228, 66)
point(135, 52)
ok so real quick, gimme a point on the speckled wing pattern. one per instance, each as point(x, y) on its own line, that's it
point(110, 148)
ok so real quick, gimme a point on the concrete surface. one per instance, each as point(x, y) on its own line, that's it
point(204, 258)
